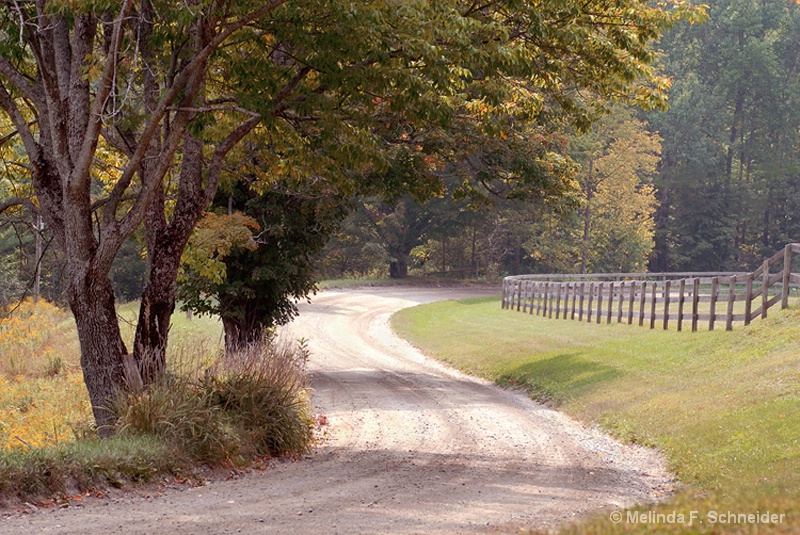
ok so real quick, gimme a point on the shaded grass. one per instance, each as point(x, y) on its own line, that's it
point(67, 469)
point(724, 407)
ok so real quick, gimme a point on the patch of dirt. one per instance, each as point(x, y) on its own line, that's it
point(412, 447)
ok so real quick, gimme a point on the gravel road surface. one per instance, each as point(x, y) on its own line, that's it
point(412, 447)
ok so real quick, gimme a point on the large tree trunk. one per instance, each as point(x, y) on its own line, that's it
point(398, 269)
point(165, 245)
point(155, 311)
point(240, 332)
point(91, 298)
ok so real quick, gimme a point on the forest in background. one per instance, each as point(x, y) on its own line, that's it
point(711, 184)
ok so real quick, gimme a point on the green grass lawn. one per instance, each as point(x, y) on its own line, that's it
point(723, 407)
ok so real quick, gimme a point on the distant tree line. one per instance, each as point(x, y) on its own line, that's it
point(712, 183)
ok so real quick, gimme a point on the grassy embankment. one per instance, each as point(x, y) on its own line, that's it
point(210, 412)
point(723, 407)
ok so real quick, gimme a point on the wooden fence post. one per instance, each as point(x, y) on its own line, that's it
point(621, 300)
point(558, 301)
point(600, 302)
point(610, 310)
point(631, 299)
point(695, 303)
point(591, 299)
point(765, 289)
point(653, 306)
point(731, 299)
point(545, 298)
point(532, 294)
point(642, 301)
point(748, 299)
point(667, 285)
point(525, 296)
point(787, 271)
point(574, 297)
point(712, 313)
point(681, 301)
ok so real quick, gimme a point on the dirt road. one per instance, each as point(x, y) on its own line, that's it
point(413, 447)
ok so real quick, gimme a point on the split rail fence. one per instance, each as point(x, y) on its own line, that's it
point(685, 299)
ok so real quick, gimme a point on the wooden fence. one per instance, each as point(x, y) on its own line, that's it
point(685, 299)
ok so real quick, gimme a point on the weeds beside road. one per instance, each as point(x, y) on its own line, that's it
point(209, 410)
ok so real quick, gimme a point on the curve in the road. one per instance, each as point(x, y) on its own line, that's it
point(412, 447)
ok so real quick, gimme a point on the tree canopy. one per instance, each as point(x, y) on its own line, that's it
point(129, 113)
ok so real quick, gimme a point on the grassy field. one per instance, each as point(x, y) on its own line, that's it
point(43, 401)
point(723, 407)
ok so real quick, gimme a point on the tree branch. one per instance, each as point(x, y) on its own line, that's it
point(222, 150)
point(182, 78)
point(80, 173)
point(7, 103)
point(19, 81)
point(18, 201)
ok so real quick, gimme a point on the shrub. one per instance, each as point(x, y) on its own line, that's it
point(179, 415)
point(263, 389)
point(251, 403)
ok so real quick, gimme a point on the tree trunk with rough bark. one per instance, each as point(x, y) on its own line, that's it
point(91, 299)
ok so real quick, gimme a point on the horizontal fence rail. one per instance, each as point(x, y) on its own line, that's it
point(686, 300)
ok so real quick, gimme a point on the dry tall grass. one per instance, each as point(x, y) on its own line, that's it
point(43, 400)
point(250, 404)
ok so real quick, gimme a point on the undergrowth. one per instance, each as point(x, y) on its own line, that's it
point(209, 409)
point(250, 404)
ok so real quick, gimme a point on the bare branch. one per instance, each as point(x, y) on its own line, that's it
point(105, 200)
point(10, 107)
point(18, 201)
point(291, 85)
point(19, 81)
point(211, 109)
point(12, 135)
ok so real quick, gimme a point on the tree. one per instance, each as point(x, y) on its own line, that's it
point(172, 88)
point(265, 275)
point(612, 229)
point(729, 167)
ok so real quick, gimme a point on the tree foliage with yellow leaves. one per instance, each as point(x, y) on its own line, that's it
point(612, 229)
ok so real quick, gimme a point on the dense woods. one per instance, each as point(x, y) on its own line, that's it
point(712, 183)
